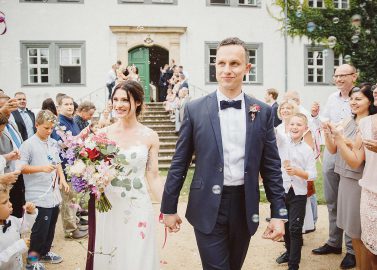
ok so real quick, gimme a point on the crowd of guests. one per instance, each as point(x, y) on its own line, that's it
point(118, 74)
point(34, 188)
point(174, 92)
point(347, 126)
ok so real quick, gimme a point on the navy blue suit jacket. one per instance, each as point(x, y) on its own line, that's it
point(200, 134)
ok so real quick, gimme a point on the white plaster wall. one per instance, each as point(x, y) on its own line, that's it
point(90, 22)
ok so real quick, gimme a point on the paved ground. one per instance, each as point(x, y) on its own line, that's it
point(181, 251)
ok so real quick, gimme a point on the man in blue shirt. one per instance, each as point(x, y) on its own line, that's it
point(68, 212)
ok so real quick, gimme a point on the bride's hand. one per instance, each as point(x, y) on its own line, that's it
point(172, 222)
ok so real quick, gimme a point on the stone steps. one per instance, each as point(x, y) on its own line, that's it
point(156, 118)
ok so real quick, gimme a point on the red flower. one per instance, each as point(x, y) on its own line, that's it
point(92, 153)
point(253, 110)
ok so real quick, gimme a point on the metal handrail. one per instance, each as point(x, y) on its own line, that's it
point(97, 96)
point(195, 89)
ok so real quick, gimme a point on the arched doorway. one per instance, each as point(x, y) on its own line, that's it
point(149, 60)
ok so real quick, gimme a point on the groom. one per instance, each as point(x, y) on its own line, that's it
point(233, 139)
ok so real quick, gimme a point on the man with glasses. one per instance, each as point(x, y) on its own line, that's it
point(337, 108)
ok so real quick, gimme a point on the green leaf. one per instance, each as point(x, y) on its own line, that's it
point(137, 183)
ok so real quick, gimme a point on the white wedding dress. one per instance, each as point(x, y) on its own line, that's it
point(125, 235)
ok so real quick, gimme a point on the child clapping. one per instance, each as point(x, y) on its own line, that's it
point(11, 245)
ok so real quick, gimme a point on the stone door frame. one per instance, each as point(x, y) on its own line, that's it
point(129, 37)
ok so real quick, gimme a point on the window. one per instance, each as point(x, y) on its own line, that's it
point(338, 60)
point(252, 77)
point(70, 65)
point(247, 2)
point(320, 64)
point(174, 2)
point(38, 65)
point(315, 66)
point(53, 1)
point(53, 63)
point(316, 3)
point(341, 4)
point(255, 58)
point(219, 2)
point(234, 3)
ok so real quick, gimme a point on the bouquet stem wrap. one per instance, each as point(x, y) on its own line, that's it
point(92, 232)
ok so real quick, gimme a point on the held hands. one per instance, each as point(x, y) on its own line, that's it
point(275, 230)
point(29, 208)
point(172, 222)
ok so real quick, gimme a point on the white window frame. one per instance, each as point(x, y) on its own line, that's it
point(54, 78)
point(315, 3)
point(246, 2)
point(317, 55)
point(39, 66)
point(254, 67)
point(257, 68)
point(53, 1)
point(338, 4)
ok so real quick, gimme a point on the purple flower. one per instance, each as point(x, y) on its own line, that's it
point(78, 184)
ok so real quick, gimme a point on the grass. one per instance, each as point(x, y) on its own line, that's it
point(318, 185)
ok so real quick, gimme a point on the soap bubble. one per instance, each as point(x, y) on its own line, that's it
point(310, 27)
point(335, 20)
point(355, 39)
point(347, 58)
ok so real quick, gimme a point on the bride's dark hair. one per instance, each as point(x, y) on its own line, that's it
point(133, 89)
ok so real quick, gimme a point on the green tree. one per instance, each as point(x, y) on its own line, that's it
point(351, 32)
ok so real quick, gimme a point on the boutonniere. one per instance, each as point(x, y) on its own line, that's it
point(253, 110)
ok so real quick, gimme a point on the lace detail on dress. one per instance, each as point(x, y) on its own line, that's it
point(368, 213)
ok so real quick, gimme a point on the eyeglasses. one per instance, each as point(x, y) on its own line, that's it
point(341, 76)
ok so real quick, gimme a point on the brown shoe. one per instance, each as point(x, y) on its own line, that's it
point(77, 234)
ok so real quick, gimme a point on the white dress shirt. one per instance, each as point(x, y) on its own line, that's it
point(301, 156)
point(11, 245)
point(233, 134)
point(337, 108)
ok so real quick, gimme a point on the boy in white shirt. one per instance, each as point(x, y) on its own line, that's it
point(298, 167)
point(11, 245)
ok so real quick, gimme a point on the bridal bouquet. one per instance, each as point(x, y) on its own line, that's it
point(92, 163)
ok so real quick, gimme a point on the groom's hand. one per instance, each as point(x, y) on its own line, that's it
point(275, 230)
point(172, 222)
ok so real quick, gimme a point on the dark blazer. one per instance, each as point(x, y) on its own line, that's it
point(201, 133)
point(275, 107)
point(21, 124)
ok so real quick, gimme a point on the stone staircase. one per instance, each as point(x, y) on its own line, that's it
point(155, 117)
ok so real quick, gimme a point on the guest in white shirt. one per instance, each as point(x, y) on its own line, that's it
point(11, 244)
point(299, 166)
point(337, 109)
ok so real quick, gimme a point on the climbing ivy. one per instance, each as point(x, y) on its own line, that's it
point(354, 29)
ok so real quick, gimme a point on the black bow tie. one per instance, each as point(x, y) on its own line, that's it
point(231, 103)
point(6, 225)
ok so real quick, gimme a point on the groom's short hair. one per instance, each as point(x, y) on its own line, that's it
point(235, 41)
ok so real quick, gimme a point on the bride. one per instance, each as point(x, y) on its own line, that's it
point(125, 235)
